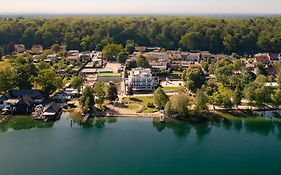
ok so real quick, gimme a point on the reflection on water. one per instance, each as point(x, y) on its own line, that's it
point(180, 129)
point(24, 122)
point(252, 125)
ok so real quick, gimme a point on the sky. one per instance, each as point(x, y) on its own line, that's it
point(141, 6)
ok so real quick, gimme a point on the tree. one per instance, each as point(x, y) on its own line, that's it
point(1, 53)
point(48, 80)
point(215, 100)
point(10, 48)
point(168, 109)
point(56, 48)
point(195, 78)
point(191, 40)
point(249, 92)
point(23, 75)
point(112, 93)
point(87, 99)
point(7, 79)
point(262, 96)
point(276, 97)
point(179, 104)
point(100, 93)
point(226, 102)
point(160, 98)
point(111, 51)
point(260, 70)
point(201, 101)
point(261, 80)
point(122, 57)
point(237, 98)
point(278, 78)
point(77, 83)
point(130, 47)
point(142, 62)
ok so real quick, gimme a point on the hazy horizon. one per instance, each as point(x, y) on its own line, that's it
point(135, 7)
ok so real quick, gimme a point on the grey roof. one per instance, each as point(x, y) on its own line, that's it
point(35, 94)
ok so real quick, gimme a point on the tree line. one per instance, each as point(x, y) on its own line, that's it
point(218, 35)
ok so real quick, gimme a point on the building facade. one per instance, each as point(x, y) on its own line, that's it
point(140, 79)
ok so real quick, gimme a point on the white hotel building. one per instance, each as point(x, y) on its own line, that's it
point(141, 79)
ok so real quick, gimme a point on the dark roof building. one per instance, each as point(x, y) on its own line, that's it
point(52, 111)
point(36, 95)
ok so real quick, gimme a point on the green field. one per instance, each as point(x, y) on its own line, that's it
point(175, 88)
point(142, 100)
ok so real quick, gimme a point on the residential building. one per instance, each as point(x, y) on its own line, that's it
point(37, 48)
point(52, 111)
point(85, 56)
point(36, 95)
point(19, 48)
point(73, 56)
point(21, 105)
point(141, 79)
point(262, 58)
point(275, 57)
point(159, 66)
point(157, 55)
point(51, 58)
point(190, 56)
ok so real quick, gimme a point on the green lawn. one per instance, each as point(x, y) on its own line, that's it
point(175, 88)
point(109, 74)
point(142, 100)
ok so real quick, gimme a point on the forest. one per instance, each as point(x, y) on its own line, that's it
point(217, 35)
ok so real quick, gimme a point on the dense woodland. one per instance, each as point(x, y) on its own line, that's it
point(218, 35)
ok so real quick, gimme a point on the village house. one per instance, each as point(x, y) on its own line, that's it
point(51, 58)
point(160, 66)
point(147, 49)
point(21, 105)
point(157, 55)
point(174, 55)
point(190, 56)
point(73, 56)
point(141, 79)
point(20, 101)
point(205, 55)
point(19, 48)
point(37, 48)
point(85, 56)
point(36, 95)
point(275, 57)
point(52, 111)
point(262, 58)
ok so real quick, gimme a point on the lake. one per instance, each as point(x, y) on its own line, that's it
point(122, 146)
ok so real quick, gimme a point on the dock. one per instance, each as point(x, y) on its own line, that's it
point(86, 117)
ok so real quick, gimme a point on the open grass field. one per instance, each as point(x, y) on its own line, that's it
point(142, 100)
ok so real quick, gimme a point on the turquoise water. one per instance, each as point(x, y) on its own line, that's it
point(140, 146)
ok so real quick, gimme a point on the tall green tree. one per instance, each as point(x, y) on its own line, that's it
point(160, 98)
point(7, 79)
point(194, 78)
point(100, 92)
point(201, 101)
point(142, 62)
point(112, 92)
point(111, 51)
